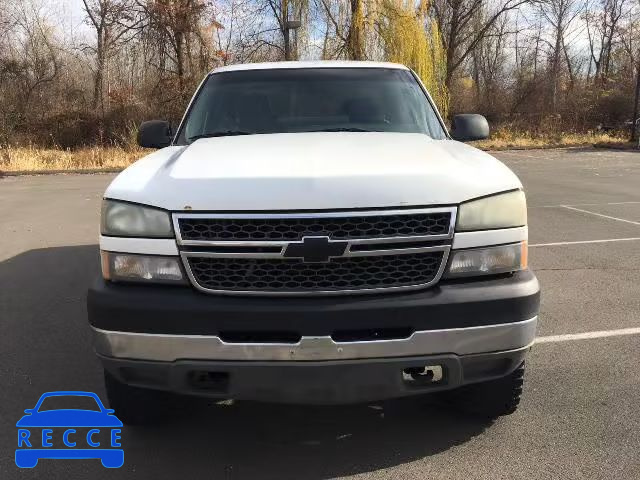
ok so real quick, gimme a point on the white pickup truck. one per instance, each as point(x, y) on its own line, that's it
point(311, 233)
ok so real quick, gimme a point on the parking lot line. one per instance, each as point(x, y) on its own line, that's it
point(588, 335)
point(601, 215)
point(579, 242)
point(585, 204)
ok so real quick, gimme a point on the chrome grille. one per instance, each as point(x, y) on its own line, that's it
point(295, 276)
point(296, 227)
point(315, 253)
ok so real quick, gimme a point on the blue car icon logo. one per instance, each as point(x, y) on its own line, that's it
point(90, 432)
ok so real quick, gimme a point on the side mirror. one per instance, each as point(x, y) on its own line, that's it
point(155, 134)
point(29, 411)
point(467, 127)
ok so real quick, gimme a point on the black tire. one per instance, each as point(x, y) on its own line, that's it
point(135, 405)
point(491, 399)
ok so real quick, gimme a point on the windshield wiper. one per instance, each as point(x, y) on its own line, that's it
point(224, 133)
point(343, 129)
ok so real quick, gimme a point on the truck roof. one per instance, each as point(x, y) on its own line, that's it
point(308, 64)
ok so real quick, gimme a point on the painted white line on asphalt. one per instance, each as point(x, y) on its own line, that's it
point(596, 204)
point(588, 335)
point(580, 242)
point(602, 215)
point(585, 204)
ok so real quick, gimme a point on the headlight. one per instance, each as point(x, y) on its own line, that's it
point(141, 268)
point(499, 211)
point(128, 220)
point(488, 261)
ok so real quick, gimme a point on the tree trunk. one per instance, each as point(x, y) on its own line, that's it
point(475, 72)
point(356, 34)
point(634, 119)
point(180, 61)
point(286, 32)
point(555, 80)
point(451, 44)
point(98, 90)
point(287, 44)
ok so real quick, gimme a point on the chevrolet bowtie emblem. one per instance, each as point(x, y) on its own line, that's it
point(316, 249)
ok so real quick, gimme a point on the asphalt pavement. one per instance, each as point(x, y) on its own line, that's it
point(580, 413)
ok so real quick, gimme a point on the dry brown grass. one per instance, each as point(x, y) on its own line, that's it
point(30, 159)
point(506, 139)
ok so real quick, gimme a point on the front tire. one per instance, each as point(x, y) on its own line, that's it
point(135, 405)
point(491, 399)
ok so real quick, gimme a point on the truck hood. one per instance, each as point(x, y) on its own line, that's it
point(315, 171)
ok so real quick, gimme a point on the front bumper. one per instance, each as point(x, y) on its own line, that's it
point(168, 310)
point(318, 350)
point(171, 348)
point(319, 383)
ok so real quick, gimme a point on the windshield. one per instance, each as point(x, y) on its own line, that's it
point(309, 100)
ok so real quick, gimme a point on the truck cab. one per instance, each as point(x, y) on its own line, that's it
point(312, 233)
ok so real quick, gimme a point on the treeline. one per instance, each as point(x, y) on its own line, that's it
point(534, 66)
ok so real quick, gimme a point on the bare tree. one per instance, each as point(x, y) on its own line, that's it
point(516, 60)
point(33, 59)
point(461, 34)
point(559, 14)
point(488, 62)
point(112, 21)
point(336, 16)
point(288, 15)
point(230, 18)
point(356, 37)
point(175, 25)
point(602, 27)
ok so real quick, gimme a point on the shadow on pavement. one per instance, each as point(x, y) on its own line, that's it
point(260, 441)
point(45, 343)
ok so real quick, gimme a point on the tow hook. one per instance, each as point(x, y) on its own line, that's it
point(422, 375)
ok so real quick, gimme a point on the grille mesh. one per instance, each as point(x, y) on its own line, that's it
point(293, 276)
point(292, 229)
